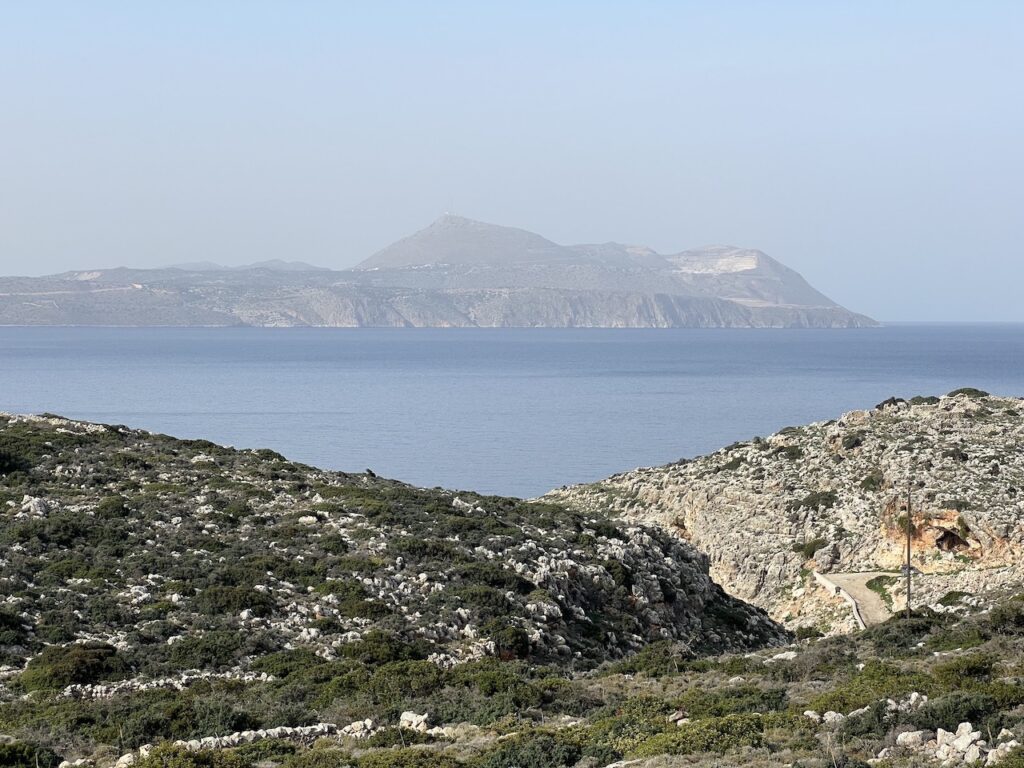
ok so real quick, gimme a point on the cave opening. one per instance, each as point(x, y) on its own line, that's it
point(951, 541)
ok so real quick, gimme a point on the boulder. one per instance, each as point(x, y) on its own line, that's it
point(913, 739)
point(414, 721)
point(965, 738)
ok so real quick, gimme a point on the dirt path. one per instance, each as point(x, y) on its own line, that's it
point(871, 605)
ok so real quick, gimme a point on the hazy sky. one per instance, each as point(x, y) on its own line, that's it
point(876, 147)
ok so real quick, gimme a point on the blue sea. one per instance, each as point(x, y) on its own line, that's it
point(509, 411)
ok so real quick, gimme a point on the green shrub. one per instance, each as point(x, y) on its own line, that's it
point(510, 642)
point(169, 756)
point(266, 750)
point(1007, 618)
point(815, 500)
point(853, 440)
point(19, 755)
point(398, 680)
point(377, 647)
point(976, 667)
point(12, 628)
point(791, 452)
point(734, 463)
point(662, 657)
point(717, 734)
point(809, 548)
point(218, 600)
point(406, 758)
point(284, 663)
point(877, 680)
point(807, 633)
point(963, 636)
point(899, 636)
point(1013, 759)
point(969, 392)
point(351, 599)
point(321, 758)
point(539, 750)
point(740, 699)
point(217, 649)
point(627, 725)
point(955, 707)
point(397, 737)
point(77, 664)
point(873, 480)
point(953, 597)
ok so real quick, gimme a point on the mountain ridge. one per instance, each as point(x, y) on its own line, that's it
point(456, 272)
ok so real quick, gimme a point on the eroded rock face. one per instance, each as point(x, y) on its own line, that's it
point(831, 496)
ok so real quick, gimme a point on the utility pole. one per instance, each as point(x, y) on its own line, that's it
point(910, 529)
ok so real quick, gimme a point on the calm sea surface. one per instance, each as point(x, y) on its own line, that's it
point(500, 411)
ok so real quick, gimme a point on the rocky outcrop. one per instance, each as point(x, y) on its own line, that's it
point(831, 497)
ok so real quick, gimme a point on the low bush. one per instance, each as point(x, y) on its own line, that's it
point(219, 600)
point(815, 500)
point(535, 750)
point(19, 755)
point(969, 392)
point(402, 758)
point(168, 756)
point(875, 681)
point(873, 480)
point(718, 734)
point(809, 548)
point(955, 707)
point(78, 664)
point(701, 703)
point(976, 667)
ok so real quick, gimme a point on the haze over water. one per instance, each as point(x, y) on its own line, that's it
point(510, 411)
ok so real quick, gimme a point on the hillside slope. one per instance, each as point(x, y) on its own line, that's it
point(176, 604)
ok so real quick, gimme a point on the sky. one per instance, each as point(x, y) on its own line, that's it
point(875, 147)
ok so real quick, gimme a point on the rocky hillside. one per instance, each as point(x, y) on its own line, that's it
point(109, 528)
point(454, 273)
point(831, 497)
point(176, 604)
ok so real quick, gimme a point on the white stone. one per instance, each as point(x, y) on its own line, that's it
point(414, 721)
point(912, 739)
point(962, 742)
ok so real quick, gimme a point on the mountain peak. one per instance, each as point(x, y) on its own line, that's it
point(454, 220)
point(456, 240)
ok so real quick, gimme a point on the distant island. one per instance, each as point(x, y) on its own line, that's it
point(455, 273)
